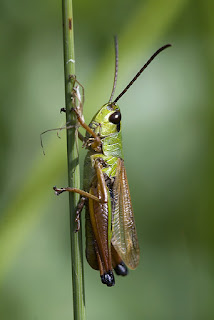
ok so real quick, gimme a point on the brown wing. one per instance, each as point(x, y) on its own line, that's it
point(124, 234)
point(91, 254)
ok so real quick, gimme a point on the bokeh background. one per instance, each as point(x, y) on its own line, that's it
point(168, 131)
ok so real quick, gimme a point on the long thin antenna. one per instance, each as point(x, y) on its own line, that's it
point(116, 68)
point(141, 70)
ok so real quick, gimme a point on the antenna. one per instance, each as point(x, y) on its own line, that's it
point(141, 70)
point(116, 68)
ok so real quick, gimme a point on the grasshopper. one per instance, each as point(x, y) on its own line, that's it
point(111, 236)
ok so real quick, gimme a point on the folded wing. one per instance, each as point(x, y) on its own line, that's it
point(124, 234)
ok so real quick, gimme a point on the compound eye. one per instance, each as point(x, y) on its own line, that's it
point(115, 117)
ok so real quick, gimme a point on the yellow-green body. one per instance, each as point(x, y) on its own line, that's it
point(110, 230)
point(111, 144)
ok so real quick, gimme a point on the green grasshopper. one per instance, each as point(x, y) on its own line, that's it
point(111, 237)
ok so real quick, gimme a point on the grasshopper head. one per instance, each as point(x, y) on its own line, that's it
point(107, 120)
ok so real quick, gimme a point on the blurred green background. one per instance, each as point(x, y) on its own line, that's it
point(168, 145)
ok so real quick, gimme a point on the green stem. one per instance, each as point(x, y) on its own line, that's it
point(73, 163)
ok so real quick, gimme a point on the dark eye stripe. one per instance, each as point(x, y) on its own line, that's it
point(115, 117)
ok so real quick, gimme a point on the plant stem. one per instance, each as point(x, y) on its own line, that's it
point(73, 163)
